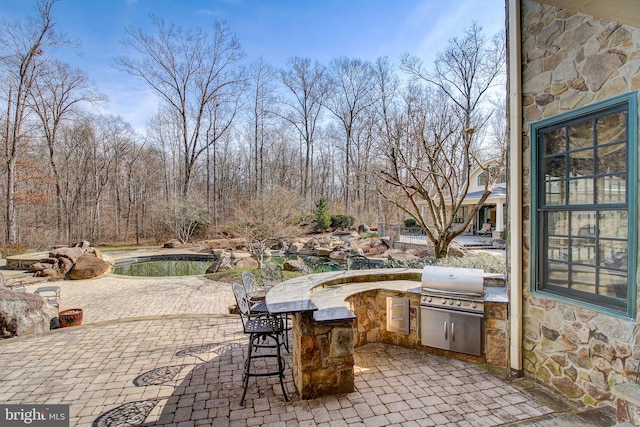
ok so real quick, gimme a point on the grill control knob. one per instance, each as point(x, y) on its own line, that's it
point(444, 301)
point(474, 305)
point(429, 299)
point(458, 303)
point(450, 302)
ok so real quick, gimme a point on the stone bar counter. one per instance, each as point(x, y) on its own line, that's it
point(334, 312)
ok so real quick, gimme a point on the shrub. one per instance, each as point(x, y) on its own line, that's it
point(323, 219)
point(369, 235)
point(489, 263)
point(342, 221)
point(410, 222)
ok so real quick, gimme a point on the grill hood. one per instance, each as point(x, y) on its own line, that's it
point(453, 281)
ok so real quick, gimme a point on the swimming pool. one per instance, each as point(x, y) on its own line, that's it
point(163, 265)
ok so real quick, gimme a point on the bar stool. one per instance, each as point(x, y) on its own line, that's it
point(256, 294)
point(265, 332)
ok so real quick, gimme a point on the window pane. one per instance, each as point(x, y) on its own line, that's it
point(581, 135)
point(555, 167)
point(558, 223)
point(583, 223)
point(611, 189)
point(581, 191)
point(613, 283)
point(581, 163)
point(558, 274)
point(583, 278)
point(612, 158)
point(583, 251)
point(558, 249)
point(613, 253)
point(613, 224)
point(554, 141)
point(612, 127)
point(555, 193)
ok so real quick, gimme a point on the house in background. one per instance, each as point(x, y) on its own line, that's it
point(494, 208)
point(574, 76)
point(490, 218)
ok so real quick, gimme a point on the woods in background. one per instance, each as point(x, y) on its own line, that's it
point(228, 132)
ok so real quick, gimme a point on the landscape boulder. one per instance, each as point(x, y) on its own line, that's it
point(70, 253)
point(457, 250)
point(171, 244)
point(295, 247)
point(88, 266)
point(363, 228)
point(295, 265)
point(229, 244)
point(247, 263)
point(222, 262)
point(323, 252)
point(23, 313)
point(400, 256)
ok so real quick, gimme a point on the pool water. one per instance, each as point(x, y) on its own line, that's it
point(163, 268)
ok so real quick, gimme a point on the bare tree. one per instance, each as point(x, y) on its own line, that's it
point(189, 71)
point(57, 94)
point(263, 106)
point(352, 82)
point(181, 216)
point(432, 147)
point(309, 87)
point(21, 46)
point(465, 71)
point(267, 218)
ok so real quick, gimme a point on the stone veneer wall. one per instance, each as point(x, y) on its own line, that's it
point(322, 355)
point(571, 60)
point(370, 326)
point(323, 362)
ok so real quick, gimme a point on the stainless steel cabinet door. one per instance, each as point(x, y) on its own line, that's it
point(465, 333)
point(434, 327)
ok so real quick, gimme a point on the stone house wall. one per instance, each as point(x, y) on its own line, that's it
point(570, 60)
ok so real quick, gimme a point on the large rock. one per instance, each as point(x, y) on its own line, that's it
point(247, 263)
point(295, 265)
point(172, 244)
point(295, 248)
point(88, 267)
point(222, 262)
point(70, 253)
point(23, 313)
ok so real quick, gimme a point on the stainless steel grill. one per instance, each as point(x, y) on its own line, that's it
point(459, 289)
point(452, 308)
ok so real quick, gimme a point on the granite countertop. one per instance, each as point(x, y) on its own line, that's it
point(324, 293)
point(496, 294)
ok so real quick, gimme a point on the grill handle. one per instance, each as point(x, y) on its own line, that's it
point(450, 293)
point(445, 329)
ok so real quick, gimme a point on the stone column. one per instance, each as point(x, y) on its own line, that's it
point(322, 356)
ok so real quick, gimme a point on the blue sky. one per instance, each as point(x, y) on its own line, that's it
point(274, 29)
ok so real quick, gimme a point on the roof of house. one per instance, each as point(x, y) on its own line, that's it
point(498, 191)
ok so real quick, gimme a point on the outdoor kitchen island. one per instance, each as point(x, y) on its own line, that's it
point(343, 310)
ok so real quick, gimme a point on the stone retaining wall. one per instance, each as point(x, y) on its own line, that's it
point(571, 60)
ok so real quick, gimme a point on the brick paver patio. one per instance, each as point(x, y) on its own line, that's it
point(164, 352)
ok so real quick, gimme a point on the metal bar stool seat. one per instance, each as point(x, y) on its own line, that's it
point(265, 332)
